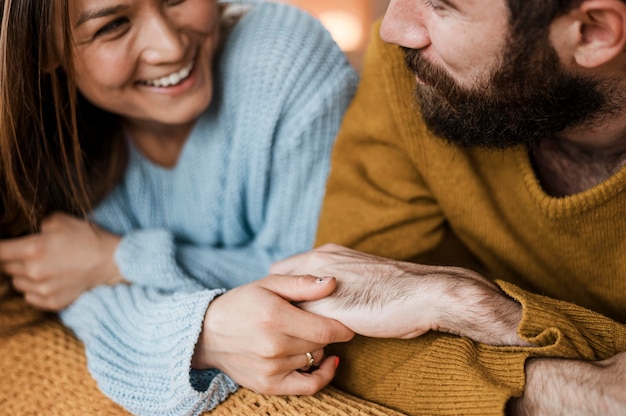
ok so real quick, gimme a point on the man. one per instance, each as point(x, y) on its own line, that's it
point(509, 166)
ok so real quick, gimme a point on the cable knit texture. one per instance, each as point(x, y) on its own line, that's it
point(397, 191)
point(44, 373)
point(245, 192)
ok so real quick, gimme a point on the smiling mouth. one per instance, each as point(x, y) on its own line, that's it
point(171, 79)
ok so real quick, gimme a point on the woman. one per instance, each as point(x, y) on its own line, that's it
point(204, 150)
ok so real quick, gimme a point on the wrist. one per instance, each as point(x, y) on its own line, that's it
point(112, 273)
point(199, 360)
point(475, 308)
point(202, 358)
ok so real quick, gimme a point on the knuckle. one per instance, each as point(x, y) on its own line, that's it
point(36, 272)
point(34, 248)
point(270, 350)
point(50, 221)
point(31, 299)
point(318, 256)
point(328, 247)
point(271, 368)
point(45, 292)
point(18, 284)
point(58, 217)
point(303, 280)
point(267, 316)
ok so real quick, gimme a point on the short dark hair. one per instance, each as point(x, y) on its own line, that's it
point(538, 14)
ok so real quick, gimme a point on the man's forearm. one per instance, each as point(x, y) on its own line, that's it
point(385, 298)
point(570, 387)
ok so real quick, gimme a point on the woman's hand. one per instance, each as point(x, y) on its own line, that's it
point(69, 256)
point(258, 337)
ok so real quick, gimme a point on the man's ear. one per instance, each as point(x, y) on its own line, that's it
point(601, 32)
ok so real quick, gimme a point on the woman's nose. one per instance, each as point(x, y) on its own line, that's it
point(162, 41)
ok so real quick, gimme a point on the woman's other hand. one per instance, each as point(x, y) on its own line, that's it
point(258, 337)
point(67, 257)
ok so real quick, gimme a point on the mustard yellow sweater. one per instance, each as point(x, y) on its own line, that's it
point(398, 192)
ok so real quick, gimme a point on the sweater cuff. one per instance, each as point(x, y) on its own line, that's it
point(139, 343)
point(564, 330)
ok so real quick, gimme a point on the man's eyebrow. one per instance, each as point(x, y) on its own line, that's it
point(98, 13)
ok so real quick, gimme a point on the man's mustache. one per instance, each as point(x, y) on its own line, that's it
point(429, 73)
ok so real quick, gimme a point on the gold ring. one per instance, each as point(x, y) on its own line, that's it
point(309, 360)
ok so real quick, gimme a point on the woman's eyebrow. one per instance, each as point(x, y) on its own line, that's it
point(98, 13)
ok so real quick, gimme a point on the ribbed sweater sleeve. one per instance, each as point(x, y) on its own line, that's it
point(397, 191)
point(139, 345)
point(246, 191)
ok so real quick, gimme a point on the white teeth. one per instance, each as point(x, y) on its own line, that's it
point(172, 79)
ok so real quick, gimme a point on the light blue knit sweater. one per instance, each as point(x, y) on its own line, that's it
point(246, 192)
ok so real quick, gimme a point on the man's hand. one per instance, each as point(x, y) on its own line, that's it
point(383, 298)
point(568, 387)
point(258, 337)
point(68, 257)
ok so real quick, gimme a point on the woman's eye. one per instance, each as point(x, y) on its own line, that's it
point(112, 27)
point(174, 2)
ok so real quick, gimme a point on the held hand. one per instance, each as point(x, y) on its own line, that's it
point(254, 334)
point(68, 257)
point(569, 387)
point(383, 298)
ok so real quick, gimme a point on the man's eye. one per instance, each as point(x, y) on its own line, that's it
point(112, 27)
point(174, 2)
point(432, 5)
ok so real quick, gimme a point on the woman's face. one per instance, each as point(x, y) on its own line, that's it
point(149, 61)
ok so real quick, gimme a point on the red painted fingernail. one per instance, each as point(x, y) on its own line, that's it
point(336, 362)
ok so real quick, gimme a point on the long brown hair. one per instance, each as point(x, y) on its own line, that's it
point(57, 151)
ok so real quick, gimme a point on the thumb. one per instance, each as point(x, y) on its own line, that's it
point(300, 288)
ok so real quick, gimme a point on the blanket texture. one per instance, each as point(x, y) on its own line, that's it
point(44, 371)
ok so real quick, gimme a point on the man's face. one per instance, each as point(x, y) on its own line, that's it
point(480, 85)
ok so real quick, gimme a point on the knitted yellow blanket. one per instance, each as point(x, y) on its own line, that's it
point(43, 371)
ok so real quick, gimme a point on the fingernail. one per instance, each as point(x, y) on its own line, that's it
point(324, 279)
point(336, 362)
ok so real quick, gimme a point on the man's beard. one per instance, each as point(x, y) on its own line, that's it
point(529, 97)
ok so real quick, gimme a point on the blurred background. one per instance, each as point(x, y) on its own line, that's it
point(349, 21)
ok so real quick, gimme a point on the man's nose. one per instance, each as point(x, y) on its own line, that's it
point(404, 24)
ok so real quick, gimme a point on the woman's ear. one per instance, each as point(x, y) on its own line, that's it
point(601, 32)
